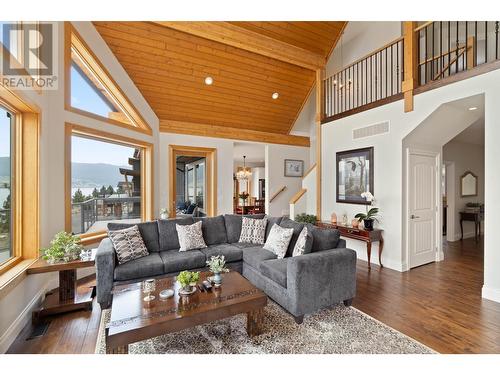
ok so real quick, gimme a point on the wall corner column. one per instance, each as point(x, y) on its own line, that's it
point(320, 75)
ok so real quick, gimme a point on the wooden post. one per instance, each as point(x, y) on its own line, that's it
point(471, 41)
point(410, 63)
point(320, 74)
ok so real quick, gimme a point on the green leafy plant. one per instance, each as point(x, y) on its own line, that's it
point(305, 218)
point(186, 278)
point(63, 247)
point(217, 264)
point(371, 214)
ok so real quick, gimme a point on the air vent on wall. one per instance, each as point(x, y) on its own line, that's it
point(370, 131)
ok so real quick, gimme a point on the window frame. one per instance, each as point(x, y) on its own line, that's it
point(73, 41)
point(25, 179)
point(147, 185)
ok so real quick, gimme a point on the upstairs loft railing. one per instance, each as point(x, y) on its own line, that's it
point(443, 49)
point(451, 47)
point(373, 78)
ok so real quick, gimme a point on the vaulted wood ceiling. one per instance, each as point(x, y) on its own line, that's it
point(248, 61)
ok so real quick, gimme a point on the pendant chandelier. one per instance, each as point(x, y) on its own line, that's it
point(243, 173)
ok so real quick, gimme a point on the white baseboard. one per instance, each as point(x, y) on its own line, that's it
point(491, 293)
point(23, 318)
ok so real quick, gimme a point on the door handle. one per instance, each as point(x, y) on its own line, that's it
point(414, 217)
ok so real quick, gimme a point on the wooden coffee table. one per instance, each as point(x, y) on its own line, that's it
point(134, 320)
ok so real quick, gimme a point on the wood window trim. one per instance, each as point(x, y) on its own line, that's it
point(25, 184)
point(210, 154)
point(147, 177)
point(73, 40)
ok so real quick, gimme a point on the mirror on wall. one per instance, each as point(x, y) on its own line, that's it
point(468, 184)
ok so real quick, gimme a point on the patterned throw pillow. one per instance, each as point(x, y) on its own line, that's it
point(303, 244)
point(128, 244)
point(190, 236)
point(278, 240)
point(253, 230)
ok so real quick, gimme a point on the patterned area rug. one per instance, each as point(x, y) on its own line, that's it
point(341, 330)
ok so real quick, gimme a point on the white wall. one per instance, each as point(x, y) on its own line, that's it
point(15, 307)
point(224, 167)
point(257, 173)
point(466, 157)
point(337, 136)
point(275, 178)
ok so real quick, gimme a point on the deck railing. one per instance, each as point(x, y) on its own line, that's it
point(375, 77)
point(86, 214)
point(443, 49)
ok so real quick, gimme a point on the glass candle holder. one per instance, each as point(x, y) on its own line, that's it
point(148, 287)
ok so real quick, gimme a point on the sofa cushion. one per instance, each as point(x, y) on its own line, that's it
point(128, 244)
point(168, 234)
point(253, 256)
point(231, 253)
point(214, 230)
point(149, 233)
point(278, 240)
point(304, 242)
point(271, 220)
point(190, 236)
point(242, 245)
point(323, 238)
point(177, 261)
point(150, 265)
point(297, 228)
point(275, 269)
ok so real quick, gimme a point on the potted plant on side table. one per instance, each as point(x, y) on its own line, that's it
point(217, 265)
point(65, 247)
point(371, 214)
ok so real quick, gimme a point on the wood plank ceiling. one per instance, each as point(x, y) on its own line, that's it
point(169, 67)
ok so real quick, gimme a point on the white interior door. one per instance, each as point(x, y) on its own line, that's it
point(422, 209)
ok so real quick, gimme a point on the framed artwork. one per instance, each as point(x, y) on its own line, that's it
point(294, 168)
point(354, 175)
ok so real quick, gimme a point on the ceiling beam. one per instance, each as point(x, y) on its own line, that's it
point(229, 34)
point(217, 131)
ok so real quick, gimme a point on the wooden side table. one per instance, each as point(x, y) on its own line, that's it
point(69, 297)
point(360, 234)
point(475, 217)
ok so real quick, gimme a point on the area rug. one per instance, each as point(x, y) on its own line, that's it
point(340, 330)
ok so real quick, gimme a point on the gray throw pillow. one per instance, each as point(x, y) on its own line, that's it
point(128, 244)
point(190, 236)
point(253, 230)
point(304, 243)
point(278, 240)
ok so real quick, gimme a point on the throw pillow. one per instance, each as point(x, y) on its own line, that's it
point(190, 236)
point(128, 244)
point(278, 240)
point(304, 243)
point(253, 230)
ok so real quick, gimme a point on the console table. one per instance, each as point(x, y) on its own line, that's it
point(69, 297)
point(368, 236)
point(475, 217)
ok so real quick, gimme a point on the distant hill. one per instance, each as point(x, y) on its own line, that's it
point(83, 174)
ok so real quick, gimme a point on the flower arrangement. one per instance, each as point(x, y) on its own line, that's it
point(217, 264)
point(370, 215)
point(64, 247)
point(164, 213)
point(244, 195)
point(187, 278)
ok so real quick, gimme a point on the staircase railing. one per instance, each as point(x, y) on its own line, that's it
point(278, 192)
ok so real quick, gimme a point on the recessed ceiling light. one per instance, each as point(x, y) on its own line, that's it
point(472, 108)
point(275, 95)
point(209, 81)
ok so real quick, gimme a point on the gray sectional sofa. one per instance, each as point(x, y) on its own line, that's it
point(301, 284)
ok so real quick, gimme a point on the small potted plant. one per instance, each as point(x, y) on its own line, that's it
point(164, 214)
point(65, 247)
point(188, 280)
point(217, 265)
point(371, 214)
point(243, 196)
point(306, 219)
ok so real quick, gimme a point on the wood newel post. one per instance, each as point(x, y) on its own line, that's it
point(320, 105)
point(410, 63)
point(471, 41)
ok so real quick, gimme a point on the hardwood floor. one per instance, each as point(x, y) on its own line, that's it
point(438, 304)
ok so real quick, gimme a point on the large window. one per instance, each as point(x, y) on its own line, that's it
point(109, 180)
point(6, 136)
